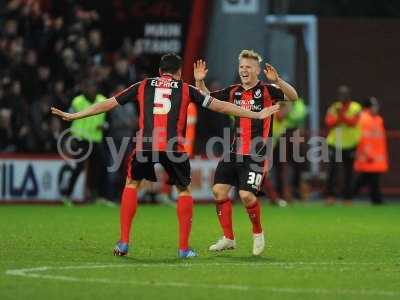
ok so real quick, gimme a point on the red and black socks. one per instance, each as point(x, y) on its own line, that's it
point(254, 212)
point(127, 212)
point(224, 212)
point(184, 211)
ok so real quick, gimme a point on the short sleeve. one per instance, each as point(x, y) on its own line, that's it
point(198, 97)
point(275, 92)
point(222, 95)
point(127, 95)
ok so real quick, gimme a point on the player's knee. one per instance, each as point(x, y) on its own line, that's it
point(184, 190)
point(248, 198)
point(132, 183)
point(220, 194)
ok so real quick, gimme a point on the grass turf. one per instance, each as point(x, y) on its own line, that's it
point(313, 252)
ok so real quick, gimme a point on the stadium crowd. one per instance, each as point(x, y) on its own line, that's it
point(44, 56)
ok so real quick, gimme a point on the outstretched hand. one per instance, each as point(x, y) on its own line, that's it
point(271, 73)
point(269, 111)
point(200, 70)
point(63, 115)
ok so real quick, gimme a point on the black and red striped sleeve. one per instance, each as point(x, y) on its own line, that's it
point(199, 97)
point(275, 92)
point(222, 95)
point(129, 94)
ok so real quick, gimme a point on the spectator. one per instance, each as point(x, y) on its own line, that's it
point(371, 155)
point(3, 53)
point(344, 134)
point(286, 129)
point(69, 67)
point(59, 97)
point(88, 135)
point(96, 46)
point(10, 28)
point(82, 51)
point(43, 75)
point(122, 73)
point(25, 140)
point(39, 121)
point(15, 53)
point(53, 134)
point(28, 75)
point(6, 132)
point(14, 102)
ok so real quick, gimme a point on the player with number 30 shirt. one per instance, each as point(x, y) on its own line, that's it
point(245, 166)
point(162, 104)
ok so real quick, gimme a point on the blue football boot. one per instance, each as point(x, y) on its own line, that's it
point(120, 249)
point(186, 254)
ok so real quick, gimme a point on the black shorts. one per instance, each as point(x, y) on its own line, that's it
point(176, 165)
point(241, 171)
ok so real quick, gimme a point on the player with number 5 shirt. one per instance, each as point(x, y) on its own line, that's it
point(162, 104)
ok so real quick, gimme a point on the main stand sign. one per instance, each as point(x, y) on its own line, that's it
point(155, 27)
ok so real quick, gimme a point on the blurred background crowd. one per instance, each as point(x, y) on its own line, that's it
point(45, 55)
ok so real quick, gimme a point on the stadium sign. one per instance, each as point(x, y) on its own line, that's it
point(155, 27)
point(240, 6)
point(160, 38)
point(36, 179)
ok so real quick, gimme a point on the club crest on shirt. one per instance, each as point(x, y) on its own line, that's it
point(257, 94)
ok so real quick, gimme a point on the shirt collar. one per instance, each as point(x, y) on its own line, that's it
point(166, 75)
point(253, 87)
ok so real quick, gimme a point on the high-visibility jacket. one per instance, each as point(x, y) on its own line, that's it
point(292, 120)
point(371, 154)
point(342, 121)
point(297, 114)
point(190, 129)
point(279, 127)
point(89, 128)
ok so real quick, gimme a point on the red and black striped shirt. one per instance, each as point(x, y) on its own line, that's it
point(162, 105)
point(250, 135)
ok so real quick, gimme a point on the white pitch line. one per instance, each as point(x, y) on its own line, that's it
point(33, 273)
point(133, 264)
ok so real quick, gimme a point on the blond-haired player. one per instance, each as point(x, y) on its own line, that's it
point(245, 165)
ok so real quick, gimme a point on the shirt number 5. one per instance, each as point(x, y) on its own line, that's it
point(162, 102)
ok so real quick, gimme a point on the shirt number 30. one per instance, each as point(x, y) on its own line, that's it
point(254, 178)
point(162, 102)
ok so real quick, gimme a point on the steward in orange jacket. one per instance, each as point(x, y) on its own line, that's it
point(371, 155)
point(191, 129)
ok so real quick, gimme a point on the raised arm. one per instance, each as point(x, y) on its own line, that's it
point(234, 110)
point(92, 110)
point(273, 76)
point(228, 108)
point(200, 72)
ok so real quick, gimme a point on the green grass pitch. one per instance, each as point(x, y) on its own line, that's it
point(313, 252)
